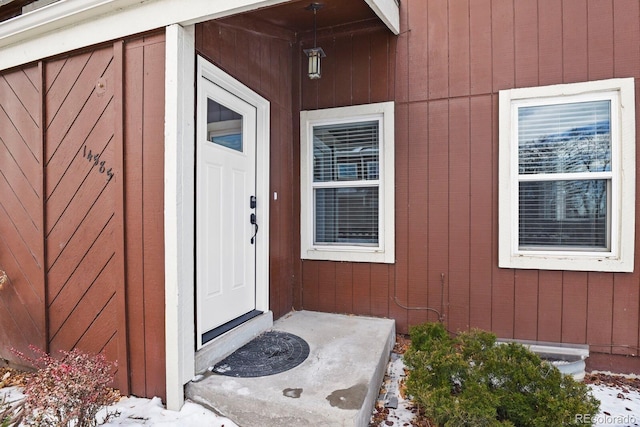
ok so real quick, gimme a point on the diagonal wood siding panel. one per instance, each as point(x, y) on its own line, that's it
point(22, 313)
point(83, 177)
point(77, 280)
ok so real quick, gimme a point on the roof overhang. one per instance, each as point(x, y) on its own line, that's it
point(66, 25)
point(388, 11)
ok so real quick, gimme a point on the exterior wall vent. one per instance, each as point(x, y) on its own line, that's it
point(568, 358)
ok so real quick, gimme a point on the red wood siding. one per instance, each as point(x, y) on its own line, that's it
point(22, 254)
point(144, 168)
point(262, 60)
point(76, 281)
point(84, 262)
point(444, 72)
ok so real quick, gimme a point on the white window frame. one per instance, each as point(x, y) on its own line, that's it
point(384, 252)
point(619, 257)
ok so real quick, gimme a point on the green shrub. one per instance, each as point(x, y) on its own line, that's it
point(468, 380)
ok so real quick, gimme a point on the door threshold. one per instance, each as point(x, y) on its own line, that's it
point(216, 332)
point(227, 342)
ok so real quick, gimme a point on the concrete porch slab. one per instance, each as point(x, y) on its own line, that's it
point(337, 385)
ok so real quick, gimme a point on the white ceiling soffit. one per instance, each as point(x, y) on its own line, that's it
point(388, 11)
point(72, 24)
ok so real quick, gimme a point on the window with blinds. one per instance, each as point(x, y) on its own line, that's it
point(346, 183)
point(567, 176)
point(564, 172)
point(347, 210)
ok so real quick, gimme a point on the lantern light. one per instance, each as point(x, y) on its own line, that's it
point(316, 53)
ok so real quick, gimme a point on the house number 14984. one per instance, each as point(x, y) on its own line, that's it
point(100, 164)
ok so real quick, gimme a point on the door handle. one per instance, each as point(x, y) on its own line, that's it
point(252, 220)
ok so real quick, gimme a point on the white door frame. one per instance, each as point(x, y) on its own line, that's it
point(225, 183)
point(179, 203)
point(225, 81)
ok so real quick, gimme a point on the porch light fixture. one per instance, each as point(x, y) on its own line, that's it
point(315, 53)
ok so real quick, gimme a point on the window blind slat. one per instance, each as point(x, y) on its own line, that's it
point(346, 153)
point(563, 213)
point(565, 138)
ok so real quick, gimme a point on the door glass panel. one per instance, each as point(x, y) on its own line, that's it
point(224, 126)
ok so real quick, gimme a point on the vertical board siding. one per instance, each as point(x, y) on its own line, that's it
point(437, 241)
point(144, 159)
point(459, 214)
point(267, 70)
point(446, 68)
point(70, 241)
point(419, 212)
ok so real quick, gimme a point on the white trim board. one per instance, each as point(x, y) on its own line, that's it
point(73, 24)
point(225, 81)
point(67, 25)
point(179, 212)
point(388, 11)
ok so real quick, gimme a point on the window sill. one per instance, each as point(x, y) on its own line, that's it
point(568, 261)
point(349, 255)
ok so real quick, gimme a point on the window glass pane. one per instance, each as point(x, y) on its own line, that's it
point(346, 215)
point(346, 152)
point(561, 214)
point(565, 138)
point(224, 126)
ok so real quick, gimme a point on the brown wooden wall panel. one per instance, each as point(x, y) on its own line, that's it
point(419, 212)
point(343, 288)
point(550, 306)
point(144, 163)
point(417, 53)
point(600, 39)
point(348, 79)
point(525, 322)
point(574, 40)
point(436, 29)
point(600, 311)
point(399, 291)
point(447, 66)
point(525, 18)
point(460, 162)
point(549, 32)
point(437, 205)
point(262, 59)
point(481, 227)
point(459, 47)
point(574, 306)
point(62, 209)
point(22, 311)
point(84, 257)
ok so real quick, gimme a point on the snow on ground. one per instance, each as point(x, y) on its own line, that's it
point(136, 411)
point(150, 412)
point(620, 407)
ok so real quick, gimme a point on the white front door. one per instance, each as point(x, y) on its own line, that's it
point(226, 222)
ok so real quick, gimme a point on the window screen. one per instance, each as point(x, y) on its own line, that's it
point(346, 183)
point(564, 167)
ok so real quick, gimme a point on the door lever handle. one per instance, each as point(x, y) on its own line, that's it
point(252, 220)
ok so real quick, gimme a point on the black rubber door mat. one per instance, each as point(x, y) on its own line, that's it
point(271, 353)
